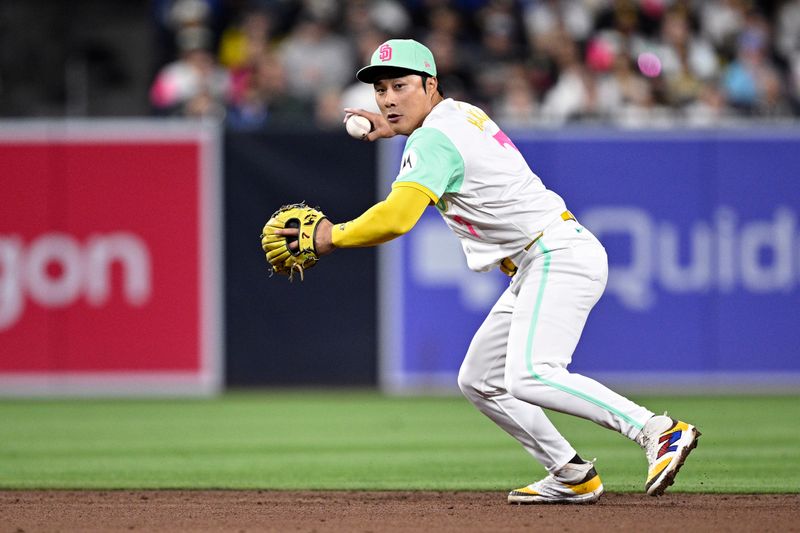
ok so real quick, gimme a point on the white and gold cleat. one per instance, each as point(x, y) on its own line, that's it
point(667, 442)
point(586, 489)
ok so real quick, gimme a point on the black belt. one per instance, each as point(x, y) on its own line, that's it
point(508, 267)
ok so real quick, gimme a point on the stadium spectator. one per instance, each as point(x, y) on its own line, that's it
point(517, 106)
point(265, 99)
point(746, 81)
point(315, 57)
point(686, 61)
point(195, 84)
point(570, 97)
point(787, 45)
point(361, 95)
point(721, 21)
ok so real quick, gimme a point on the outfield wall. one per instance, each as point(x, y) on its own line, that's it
point(702, 233)
point(129, 261)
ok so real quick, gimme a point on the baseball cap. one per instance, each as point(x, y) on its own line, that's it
point(395, 54)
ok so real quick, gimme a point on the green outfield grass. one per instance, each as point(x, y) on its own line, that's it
point(361, 440)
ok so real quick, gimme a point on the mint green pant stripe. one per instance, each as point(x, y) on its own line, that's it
point(529, 348)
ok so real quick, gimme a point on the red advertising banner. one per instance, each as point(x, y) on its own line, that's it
point(109, 278)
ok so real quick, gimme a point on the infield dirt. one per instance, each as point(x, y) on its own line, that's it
point(377, 512)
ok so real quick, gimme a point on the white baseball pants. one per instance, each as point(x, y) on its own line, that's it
point(517, 361)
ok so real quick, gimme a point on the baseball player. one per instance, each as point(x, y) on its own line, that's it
point(458, 160)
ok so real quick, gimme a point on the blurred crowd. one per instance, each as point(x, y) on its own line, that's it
point(257, 64)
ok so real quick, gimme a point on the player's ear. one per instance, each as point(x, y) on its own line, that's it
point(431, 85)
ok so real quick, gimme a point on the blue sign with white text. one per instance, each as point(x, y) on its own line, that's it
point(703, 240)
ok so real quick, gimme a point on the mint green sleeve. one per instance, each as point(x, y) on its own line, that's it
point(430, 159)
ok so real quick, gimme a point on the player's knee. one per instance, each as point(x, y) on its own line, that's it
point(468, 382)
point(473, 384)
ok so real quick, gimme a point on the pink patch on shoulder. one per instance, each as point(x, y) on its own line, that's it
point(503, 140)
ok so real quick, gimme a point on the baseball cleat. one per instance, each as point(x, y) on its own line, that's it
point(551, 490)
point(667, 442)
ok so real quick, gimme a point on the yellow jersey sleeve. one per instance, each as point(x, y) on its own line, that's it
point(383, 221)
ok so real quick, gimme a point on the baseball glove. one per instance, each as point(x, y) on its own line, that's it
point(281, 258)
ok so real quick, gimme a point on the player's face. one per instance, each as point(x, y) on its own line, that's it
point(403, 102)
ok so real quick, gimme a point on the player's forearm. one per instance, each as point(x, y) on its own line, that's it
point(383, 221)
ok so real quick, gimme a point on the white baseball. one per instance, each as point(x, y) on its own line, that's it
point(358, 127)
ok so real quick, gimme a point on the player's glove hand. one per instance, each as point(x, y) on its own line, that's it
point(289, 251)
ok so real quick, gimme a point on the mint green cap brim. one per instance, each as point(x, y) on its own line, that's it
point(398, 54)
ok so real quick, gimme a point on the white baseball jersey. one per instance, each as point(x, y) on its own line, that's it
point(480, 182)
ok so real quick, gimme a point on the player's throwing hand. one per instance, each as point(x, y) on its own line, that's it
point(380, 126)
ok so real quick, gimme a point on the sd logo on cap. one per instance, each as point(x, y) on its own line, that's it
point(398, 54)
